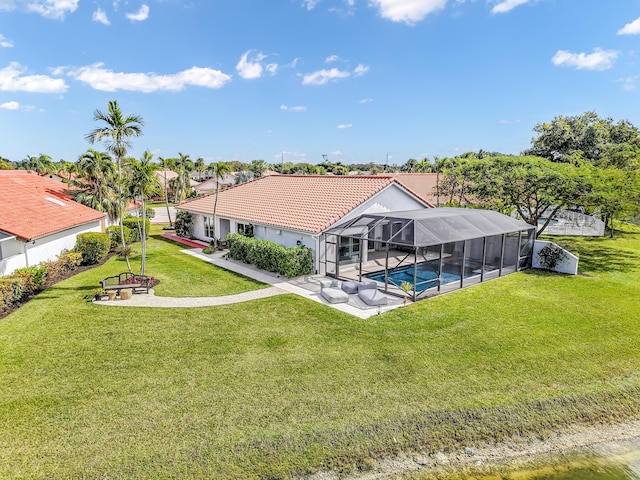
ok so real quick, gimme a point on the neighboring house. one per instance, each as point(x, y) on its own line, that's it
point(38, 220)
point(209, 185)
point(297, 209)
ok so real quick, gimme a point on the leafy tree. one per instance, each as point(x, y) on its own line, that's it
point(587, 137)
point(141, 184)
point(535, 187)
point(115, 133)
point(258, 167)
point(219, 170)
point(5, 164)
point(409, 166)
point(616, 193)
point(340, 170)
point(243, 176)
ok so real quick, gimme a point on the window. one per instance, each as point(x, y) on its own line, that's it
point(245, 229)
point(208, 227)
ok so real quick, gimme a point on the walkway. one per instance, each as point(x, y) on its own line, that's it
point(307, 286)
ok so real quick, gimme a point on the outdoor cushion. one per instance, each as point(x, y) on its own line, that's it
point(331, 291)
point(373, 297)
point(350, 287)
point(367, 286)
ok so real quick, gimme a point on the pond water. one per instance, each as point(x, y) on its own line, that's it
point(620, 467)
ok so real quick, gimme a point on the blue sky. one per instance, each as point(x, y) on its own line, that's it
point(356, 80)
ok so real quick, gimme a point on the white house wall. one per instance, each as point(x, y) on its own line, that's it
point(45, 248)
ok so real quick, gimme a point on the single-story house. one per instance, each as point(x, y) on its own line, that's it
point(39, 220)
point(209, 185)
point(298, 209)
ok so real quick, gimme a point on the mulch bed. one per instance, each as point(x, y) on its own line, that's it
point(52, 280)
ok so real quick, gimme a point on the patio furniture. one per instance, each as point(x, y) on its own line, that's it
point(138, 283)
point(369, 294)
point(331, 291)
point(126, 293)
point(350, 286)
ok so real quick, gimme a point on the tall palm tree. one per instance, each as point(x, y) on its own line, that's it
point(115, 134)
point(167, 164)
point(142, 183)
point(219, 170)
point(182, 183)
point(200, 167)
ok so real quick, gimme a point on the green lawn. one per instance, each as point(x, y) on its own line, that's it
point(284, 386)
point(180, 275)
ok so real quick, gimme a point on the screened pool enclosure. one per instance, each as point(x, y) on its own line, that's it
point(433, 250)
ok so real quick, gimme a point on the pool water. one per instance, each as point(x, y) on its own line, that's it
point(426, 276)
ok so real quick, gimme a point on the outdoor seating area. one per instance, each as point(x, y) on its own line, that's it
point(334, 291)
point(125, 284)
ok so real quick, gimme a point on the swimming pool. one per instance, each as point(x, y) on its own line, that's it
point(426, 277)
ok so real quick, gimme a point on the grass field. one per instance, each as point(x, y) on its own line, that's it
point(283, 386)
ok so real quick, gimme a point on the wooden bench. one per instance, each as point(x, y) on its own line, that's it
point(137, 283)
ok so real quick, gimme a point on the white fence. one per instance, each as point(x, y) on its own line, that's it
point(568, 222)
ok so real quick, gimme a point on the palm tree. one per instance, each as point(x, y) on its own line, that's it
point(115, 134)
point(41, 164)
point(142, 183)
point(167, 164)
point(182, 183)
point(200, 167)
point(94, 185)
point(68, 169)
point(219, 170)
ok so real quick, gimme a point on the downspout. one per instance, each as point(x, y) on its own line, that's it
point(26, 254)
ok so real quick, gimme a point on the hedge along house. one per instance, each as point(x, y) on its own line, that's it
point(296, 210)
point(432, 250)
point(38, 220)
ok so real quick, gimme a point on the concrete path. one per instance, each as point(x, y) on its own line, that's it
point(161, 215)
point(150, 300)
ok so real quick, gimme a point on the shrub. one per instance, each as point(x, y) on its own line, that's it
point(32, 278)
point(10, 291)
point(270, 256)
point(114, 234)
point(183, 224)
point(135, 224)
point(208, 250)
point(93, 246)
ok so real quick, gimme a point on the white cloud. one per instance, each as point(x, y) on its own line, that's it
point(407, 11)
point(629, 83)
point(12, 81)
point(632, 28)
point(598, 60)
point(333, 58)
point(141, 15)
point(272, 68)
point(365, 100)
point(310, 4)
point(321, 77)
point(106, 80)
point(5, 42)
point(345, 125)
point(506, 5)
point(293, 109)
point(252, 68)
point(10, 105)
point(55, 9)
point(101, 16)
point(360, 70)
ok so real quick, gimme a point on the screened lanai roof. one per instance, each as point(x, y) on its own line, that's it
point(429, 226)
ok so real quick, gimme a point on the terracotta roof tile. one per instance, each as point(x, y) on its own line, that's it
point(32, 206)
point(309, 203)
point(421, 184)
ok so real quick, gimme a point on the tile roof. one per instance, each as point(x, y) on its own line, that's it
point(421, 184)
point(32, 206)
point(309, 203)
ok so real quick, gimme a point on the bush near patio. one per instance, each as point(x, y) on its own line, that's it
point(183, 224)
point(114, 235)
point(134, 224)
point(94, 246)
point(270, 256)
